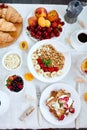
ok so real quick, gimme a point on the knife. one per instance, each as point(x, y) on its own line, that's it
point(77, 120)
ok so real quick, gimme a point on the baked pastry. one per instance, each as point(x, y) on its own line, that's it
point(60, 104)
point(5, 37)
point(6, 26)
point(10, 14)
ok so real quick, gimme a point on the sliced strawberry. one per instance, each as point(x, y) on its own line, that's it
point(72, 110)
point(60, 100)
point(61, 117)
point(39, 61)
point(65, 106)
point(42, 65)
point(56, 68)
point(45, 69)
point(66, 99)
point(51, 69)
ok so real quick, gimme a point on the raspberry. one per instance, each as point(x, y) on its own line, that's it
point(20, 86)
point(61, 117)
point(72, 110)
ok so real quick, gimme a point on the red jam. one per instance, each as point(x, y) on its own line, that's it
point(3, 6)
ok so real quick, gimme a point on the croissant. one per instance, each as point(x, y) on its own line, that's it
point(5, 37)
point(6, 26)
point(10, 14)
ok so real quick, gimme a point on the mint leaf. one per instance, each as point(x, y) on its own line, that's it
point(46, 62)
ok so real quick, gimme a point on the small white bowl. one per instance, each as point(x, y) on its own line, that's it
point(76, 43)
point(80, 32)
point(11, 91)
point(12, 60)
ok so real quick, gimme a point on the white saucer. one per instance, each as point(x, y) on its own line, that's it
point(79, 46)
point(4, 102)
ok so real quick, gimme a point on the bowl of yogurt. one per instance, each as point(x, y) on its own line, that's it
point(12, 60)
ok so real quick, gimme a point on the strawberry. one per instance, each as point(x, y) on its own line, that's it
point(39, 61)
point(66, 99)
point(51, 69)
point(56, 68)
point(45, 69)
point(42, 65)
point(54, 24)
point(61, 117)
point(72, 110)
point(60, 100)
point(65, 106)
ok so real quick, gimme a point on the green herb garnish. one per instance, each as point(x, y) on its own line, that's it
point(61, 104)
point(46, 62)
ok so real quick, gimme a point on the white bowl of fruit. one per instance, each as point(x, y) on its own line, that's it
point(44, 24)
point(48, 62)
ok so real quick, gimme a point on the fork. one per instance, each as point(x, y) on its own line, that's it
point(38, 92)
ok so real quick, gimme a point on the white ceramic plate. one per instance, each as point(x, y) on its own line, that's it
point(4, 102)
point(60, 48)
point(27, 34)
point(45, 110)
point(79, 46)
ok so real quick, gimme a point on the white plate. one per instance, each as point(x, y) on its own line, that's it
point(79, 46)
point(27, 34)
point(4, 102)
point(60, 48)
point(45, 110)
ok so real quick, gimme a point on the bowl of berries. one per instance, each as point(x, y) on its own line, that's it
point(14, 83)
point(48, 62)
point(43, 24)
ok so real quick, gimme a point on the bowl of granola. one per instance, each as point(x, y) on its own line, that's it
point(49, 61)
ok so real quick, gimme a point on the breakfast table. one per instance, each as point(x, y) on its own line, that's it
point(19, 102)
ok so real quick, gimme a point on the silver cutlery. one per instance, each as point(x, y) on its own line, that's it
point(77, 120)
point(38, 92)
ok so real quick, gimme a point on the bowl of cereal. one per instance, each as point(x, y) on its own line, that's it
point(49, 61)
point(12, 60)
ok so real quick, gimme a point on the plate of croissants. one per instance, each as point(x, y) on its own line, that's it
point(10, 25)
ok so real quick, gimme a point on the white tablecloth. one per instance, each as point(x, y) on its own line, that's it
point(19, 102)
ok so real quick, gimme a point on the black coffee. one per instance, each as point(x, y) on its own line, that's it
point(82, 37)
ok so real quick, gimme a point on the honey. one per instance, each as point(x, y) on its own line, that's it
point(84, 66)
